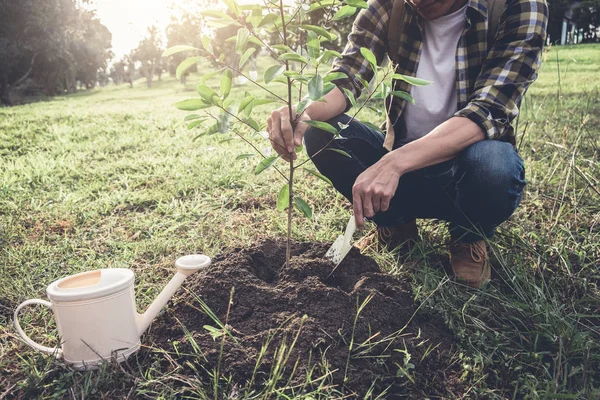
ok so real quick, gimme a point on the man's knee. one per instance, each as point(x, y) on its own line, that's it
point(491, 163)
point(491, 174)
point(316, 139)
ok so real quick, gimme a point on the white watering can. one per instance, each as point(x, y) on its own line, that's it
point(96, 315)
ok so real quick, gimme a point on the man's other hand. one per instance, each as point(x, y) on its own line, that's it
point(374, 188)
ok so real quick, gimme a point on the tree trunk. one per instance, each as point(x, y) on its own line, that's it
point(5, 92)
point(150, 75)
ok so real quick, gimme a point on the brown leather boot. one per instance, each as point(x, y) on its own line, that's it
point(403, 236)
point(470, 263)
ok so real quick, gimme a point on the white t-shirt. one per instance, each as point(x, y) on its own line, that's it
point(436, 102)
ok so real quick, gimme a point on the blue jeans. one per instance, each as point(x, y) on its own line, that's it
point(475, 192)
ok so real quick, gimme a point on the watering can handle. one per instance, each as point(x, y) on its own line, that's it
point(50, 350)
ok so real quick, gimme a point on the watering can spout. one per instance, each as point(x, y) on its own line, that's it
point(186, 266)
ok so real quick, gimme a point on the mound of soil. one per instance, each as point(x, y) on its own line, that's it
point(304, 315)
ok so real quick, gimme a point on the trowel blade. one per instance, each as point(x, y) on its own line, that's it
point(342, 245)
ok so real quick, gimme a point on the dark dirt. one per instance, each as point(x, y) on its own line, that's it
point(269, 303)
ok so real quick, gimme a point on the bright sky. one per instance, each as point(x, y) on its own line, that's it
point(128, 20)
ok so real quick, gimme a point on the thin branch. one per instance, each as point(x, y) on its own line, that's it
point(22, 78)
point(246, 140)
point(237, 71)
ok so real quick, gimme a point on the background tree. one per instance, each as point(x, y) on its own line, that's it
point(556, 10)
point(184, 30)
point(587, 18)
point(50, 44)
point(148, 54)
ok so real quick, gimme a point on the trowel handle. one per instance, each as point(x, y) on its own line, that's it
point(57, 352)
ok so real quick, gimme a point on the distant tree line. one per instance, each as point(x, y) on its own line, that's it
point(54, 46)
point(586, 15)
point(50, 46)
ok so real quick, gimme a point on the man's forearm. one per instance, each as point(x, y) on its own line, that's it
point(334, 105)
point(442, 144)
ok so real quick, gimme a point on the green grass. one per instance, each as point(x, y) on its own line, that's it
point(112, 178)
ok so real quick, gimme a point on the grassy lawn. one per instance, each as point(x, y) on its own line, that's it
point(112, 178)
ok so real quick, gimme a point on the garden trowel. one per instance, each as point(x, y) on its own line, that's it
point(342, 246)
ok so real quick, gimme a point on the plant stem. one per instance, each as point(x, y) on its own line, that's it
point(288, 246)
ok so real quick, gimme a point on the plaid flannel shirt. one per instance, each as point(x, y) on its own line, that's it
point(490, 83)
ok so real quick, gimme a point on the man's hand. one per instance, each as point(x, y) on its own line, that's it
point(283, 137)
point(374, 188)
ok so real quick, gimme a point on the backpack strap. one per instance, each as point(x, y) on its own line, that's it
point(394, 25)
point(495, 9)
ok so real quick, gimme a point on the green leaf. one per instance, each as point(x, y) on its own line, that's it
point(324, 126)
point(192, 105)
point(268, 20)
point(226, 84)
point(372, 126)
point(195, 123)
point(260, 102)
point(282, 48)
point(215, 14)
point(245, 103)
point(370, 57)
point(242, 40)
point(318, 175)
point(265, 163)
point(317, 5)
point(303, 207)
point(293, 57)
point(273, 72)
point(256, 41)
point(362, 81)
point(292, 74)
point(191, 117)
point(206, 44)
point(206, 93)
point(214, 332)
point(403, 95)
point(244, 156)
point(342, 152)
point(246, 56)
point(296, 76)
point(303, 105)
point(283, 199)
point(357, 3)
point(233, 6)
point(253, 124)
point(329, 54)
point(313, 46)
point(185, 65)
point(178, 49)
point(332, 76)
point(255, 15)
point(344, 12)
point(210, 75)
point(350, 96)
point(319, 30)
point(328, 87)
point(227, 103)
point(411, 79)
point(315, 87)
